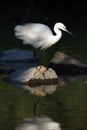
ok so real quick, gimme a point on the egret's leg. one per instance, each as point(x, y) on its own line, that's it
point(38, 68)
point(35, 58)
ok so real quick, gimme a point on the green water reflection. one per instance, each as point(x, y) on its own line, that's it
point(68, 106)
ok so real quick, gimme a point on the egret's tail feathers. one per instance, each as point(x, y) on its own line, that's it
point(32, 35)
point(18, 28)
point(19, 31)
point(20, 34)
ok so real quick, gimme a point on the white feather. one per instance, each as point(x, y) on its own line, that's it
point(39, 35)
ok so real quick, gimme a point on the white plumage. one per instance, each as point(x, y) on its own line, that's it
point(39, 35)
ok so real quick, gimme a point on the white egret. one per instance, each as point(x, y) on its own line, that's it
point(39, 35)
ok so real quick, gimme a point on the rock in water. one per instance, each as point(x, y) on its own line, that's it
point(66, 65)
point(27, 74)
point(18, 58)
point(61, 58)
point(16, 55)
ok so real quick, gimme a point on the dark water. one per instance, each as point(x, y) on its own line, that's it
point(64, 103)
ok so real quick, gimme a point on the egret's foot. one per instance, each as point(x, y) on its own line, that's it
point(40, 70)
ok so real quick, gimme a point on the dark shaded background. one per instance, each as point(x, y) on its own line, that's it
point(69, 12)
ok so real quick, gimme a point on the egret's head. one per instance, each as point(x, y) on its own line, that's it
point(61, 26)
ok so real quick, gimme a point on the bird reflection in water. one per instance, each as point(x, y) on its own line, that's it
point(38, 123)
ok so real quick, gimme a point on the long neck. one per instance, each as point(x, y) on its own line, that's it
point(58, 33)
